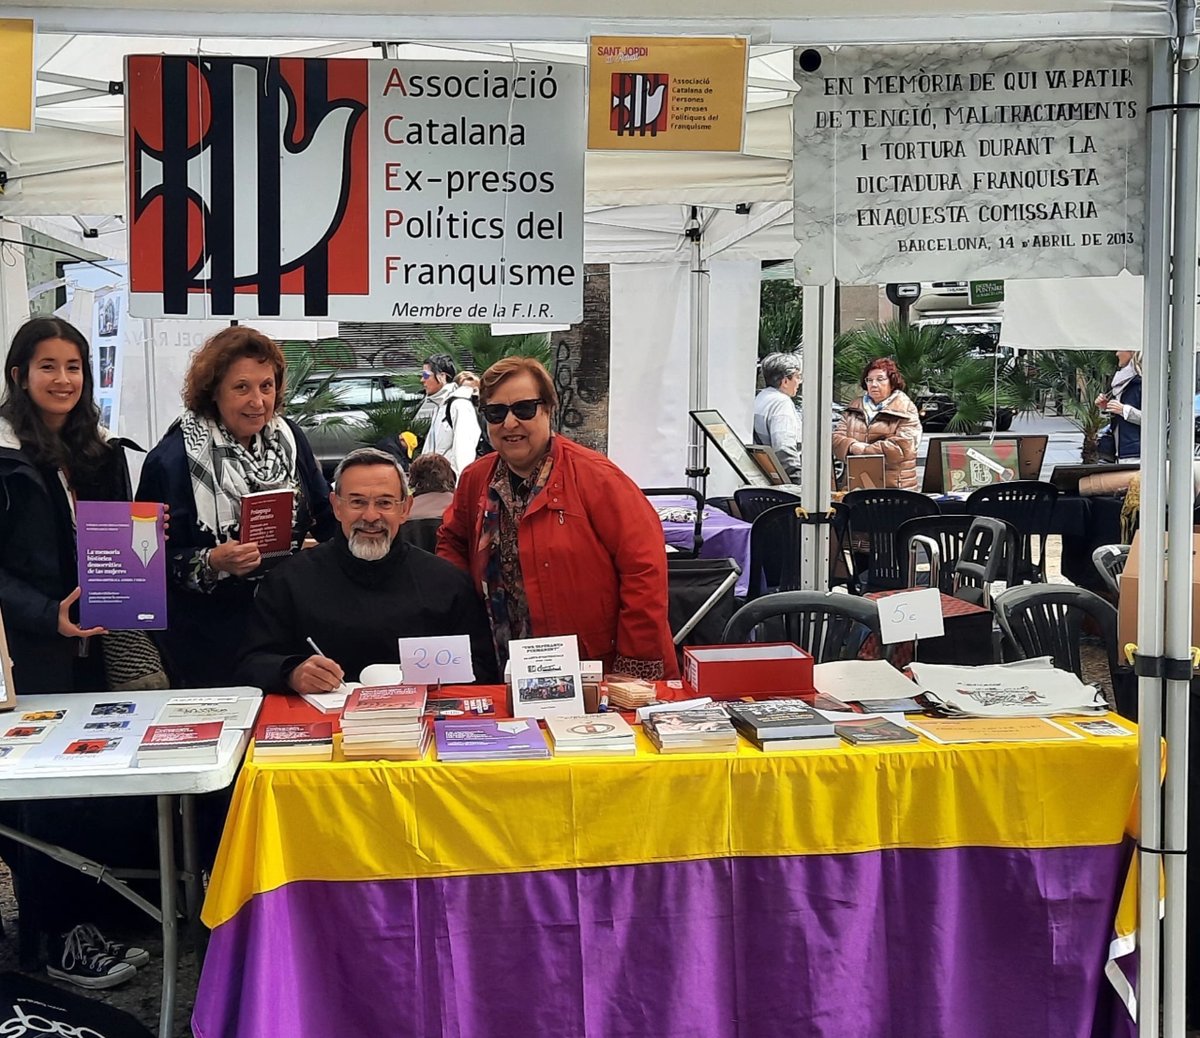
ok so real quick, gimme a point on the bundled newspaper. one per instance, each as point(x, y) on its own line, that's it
point(1027, 688)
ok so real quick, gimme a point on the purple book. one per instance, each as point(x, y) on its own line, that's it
point(122, 565)
point(513, 739)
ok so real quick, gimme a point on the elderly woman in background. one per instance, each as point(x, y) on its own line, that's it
point(431, 481)
point(231, 441)
point(883, 421)
point(556, 537)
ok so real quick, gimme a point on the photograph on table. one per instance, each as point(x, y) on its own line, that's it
point(967, 466)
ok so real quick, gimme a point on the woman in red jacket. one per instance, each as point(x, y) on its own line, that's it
point(557, 538)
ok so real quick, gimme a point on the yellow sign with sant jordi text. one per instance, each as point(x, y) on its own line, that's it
point(663, 93)
point(16, 74)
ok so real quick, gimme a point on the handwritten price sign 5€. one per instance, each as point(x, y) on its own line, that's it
point(444, 659)
point(909, 615)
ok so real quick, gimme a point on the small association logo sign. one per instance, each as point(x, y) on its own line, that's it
point(639, 103)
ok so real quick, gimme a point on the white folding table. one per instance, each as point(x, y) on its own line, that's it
point(165, 782)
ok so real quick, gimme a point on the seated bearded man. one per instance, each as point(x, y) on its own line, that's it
point(358, 593)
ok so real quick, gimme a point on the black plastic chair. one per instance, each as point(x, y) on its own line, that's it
point(775, 550)
point(422, 533)
point(753, 501)
point(1047, 620)
point(697, 506)
point(830, 626)
point(988, 551)
point(876, 516)
point(947, 533)
point(1109, 560)
point(1028, 505)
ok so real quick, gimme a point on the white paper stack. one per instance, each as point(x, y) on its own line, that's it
point(1027, 688)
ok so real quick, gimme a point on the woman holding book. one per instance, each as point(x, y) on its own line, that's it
point(230, 442)
point(54, 452)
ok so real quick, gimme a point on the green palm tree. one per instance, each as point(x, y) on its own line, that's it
point(474, 347)
point(1076, 377)
point(304, 406)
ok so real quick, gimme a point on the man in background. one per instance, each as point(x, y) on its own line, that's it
point(776, 423)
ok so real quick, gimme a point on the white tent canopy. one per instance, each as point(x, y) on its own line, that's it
point(776, 21)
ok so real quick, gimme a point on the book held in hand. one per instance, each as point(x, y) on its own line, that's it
point(267, 521)
point(121, 552)
point(180, 743)
point(294, 742)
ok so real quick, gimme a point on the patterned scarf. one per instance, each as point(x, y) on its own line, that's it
point(871, 409)
point(507, 604)
point(223, 471)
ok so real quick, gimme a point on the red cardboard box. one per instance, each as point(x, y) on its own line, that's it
point(760, 669)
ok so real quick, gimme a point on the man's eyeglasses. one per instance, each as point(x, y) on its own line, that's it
point(361, 504)
point(494, 414)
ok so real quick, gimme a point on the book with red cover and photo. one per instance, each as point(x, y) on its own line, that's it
point(384, 702)
point(267, 521)
point(294, 742)
point(181, 743)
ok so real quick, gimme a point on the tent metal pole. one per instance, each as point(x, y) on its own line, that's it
point(1152, 593)
point(1181, 498)
point(698, 382)
point(816, 436)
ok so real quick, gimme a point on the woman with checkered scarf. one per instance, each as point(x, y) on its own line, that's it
point(231, 441)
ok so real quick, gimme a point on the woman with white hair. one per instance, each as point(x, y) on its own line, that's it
point(1123, 402)
point(776, 423)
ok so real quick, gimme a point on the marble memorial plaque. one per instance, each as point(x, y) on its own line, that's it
point(922, 163)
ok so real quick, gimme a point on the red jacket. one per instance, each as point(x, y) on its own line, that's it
point(593, 555)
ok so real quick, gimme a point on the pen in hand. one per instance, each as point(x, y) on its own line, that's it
point(341, 686)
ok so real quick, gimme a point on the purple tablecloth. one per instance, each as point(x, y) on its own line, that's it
point(724, 536)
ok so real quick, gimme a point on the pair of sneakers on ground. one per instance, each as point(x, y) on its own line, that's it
point(86, 958)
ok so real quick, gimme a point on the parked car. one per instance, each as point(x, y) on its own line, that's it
point(357, 392)
point(937, 411)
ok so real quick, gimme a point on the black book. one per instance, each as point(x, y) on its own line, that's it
point(779, 719)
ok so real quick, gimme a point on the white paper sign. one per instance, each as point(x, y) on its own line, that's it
point(442, 658)
point(911, 614)
point(1006, 160)
point(545, 677)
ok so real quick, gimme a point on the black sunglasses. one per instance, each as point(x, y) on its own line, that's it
point(494, 414)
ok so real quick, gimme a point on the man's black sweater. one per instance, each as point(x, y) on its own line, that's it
point(355, 611)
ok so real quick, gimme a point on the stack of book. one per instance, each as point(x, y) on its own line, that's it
point(591, 735)
point(383, 722)
point(706, 729)
point(294, 742)
point(516, 739)
point(783, 725)
point(180, 744)
point(630, 693)
point(874, 731)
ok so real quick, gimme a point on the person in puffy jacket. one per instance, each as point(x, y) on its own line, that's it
point(882, 421)
point(1122, 440)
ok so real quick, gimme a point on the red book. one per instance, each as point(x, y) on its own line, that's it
point(294, 742)
point(161, 737)
point(267, 521)
point(391, 701)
